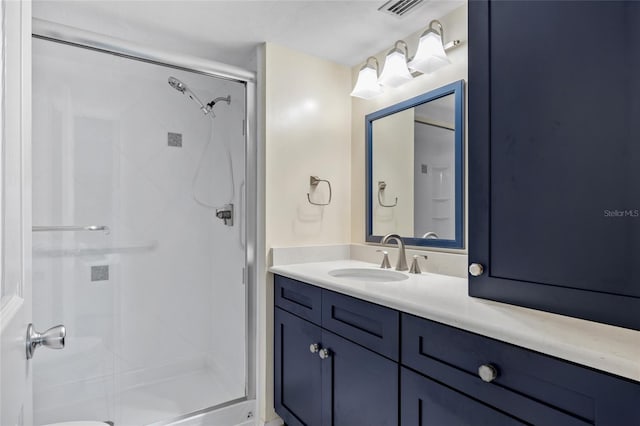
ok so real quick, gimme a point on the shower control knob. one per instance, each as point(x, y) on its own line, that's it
point(476, 269)
point(53, 338)
point(488, 372)
point(314, 348)
point(324, 353)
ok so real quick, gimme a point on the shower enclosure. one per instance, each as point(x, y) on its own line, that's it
point(140, 237)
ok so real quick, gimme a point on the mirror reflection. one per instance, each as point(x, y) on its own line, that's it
point(414, 169)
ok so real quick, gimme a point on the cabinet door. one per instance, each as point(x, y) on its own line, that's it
point(554, 181)
point(359, 387)
point(428, 403)
point(297, 371)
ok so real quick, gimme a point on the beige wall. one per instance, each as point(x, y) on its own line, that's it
point(455, 26)
point(308, 132)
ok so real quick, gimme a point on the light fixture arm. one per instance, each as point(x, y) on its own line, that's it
point(452, 44)
point(437, 27)
point(440, 30)
point(401, 43)
point(372, 59)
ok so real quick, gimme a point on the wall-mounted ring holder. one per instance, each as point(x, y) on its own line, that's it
point(381, 187)
point(314, 181)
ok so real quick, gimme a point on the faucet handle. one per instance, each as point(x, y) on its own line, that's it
point(415, 266)
point(385, 259)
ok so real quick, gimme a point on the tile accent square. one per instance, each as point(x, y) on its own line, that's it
point(174, 139)
point(100, 273)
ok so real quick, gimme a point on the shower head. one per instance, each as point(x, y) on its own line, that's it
point(182, 88)
point(177, 84)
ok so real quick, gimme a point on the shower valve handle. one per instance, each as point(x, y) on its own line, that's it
point(226, 214)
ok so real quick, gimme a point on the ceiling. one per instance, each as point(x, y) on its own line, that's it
point(345, 32)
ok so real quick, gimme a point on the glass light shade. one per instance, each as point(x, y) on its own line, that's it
point(430, 55)
point(395, 72)
point(367, 86)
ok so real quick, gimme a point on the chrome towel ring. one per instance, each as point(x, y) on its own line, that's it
point(314, 181)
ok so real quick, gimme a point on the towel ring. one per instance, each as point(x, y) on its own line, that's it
point(314, 181)
point(381, 187)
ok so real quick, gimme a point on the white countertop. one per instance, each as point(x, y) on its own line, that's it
point(445, 299)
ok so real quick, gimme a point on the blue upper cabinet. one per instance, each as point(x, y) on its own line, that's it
point(554, 156)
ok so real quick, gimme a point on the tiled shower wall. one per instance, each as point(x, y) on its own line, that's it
point(161, 294)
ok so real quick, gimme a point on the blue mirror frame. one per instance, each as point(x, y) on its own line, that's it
point(457, 89)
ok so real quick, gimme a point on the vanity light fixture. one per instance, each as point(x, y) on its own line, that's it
point(431, 54)
point(367, 86)
point(399, 68)
point(396, 72)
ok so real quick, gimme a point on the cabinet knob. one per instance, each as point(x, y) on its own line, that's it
point(324, 353)
point(488, 372)
point(476, 269)
point(314, 348)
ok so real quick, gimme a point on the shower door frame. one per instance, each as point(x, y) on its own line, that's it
point(59, 33)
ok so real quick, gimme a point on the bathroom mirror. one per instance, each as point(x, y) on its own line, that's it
point(414, 167)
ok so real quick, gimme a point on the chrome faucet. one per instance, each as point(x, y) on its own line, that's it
point(401, 265)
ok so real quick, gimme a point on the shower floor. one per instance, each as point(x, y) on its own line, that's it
point(145, 404)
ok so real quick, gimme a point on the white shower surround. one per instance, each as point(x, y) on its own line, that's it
point(174, 304)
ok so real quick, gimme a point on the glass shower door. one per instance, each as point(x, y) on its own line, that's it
point(149, 281)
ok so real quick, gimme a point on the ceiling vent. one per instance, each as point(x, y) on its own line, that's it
point(399, 8)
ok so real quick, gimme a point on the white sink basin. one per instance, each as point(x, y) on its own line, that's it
point(368, 274)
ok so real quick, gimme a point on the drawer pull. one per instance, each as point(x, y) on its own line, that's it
point(324, 353)
point(488, 372)
point(314, 348)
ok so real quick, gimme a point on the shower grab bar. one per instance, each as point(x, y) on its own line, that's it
point(56, 228)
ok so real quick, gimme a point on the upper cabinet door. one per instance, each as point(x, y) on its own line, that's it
point(554, 156)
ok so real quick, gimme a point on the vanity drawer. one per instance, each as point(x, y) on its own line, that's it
point(301, 299)
point(428, 402)
point(450, 355)
point(372, 326)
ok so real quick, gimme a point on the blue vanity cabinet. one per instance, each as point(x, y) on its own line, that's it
point(429, 403)
point(300, 299)
point(554, 181)
point(525, 386)
point(348, 378)
point(373, 326)
point(360, 387)
point(377, 366)
point(297, 370)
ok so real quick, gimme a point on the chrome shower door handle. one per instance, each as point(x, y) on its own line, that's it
point(53, 338)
